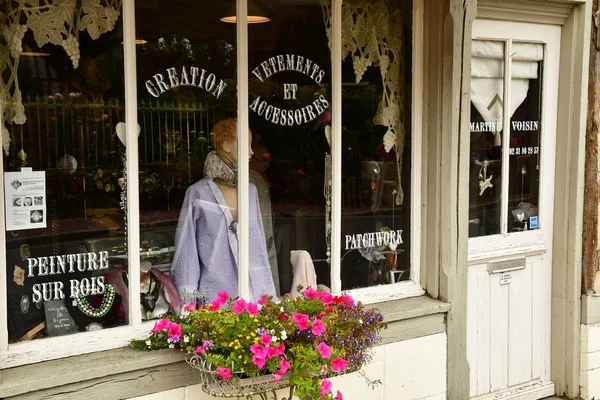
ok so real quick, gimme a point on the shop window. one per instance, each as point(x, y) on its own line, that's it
point(63, 162)
point(289, 75)
point(376, 164)
point(505, 160)
point(68, 265)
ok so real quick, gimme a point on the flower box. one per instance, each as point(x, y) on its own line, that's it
point(243, 349)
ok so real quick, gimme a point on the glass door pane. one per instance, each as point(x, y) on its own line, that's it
point(525, 136)
point(487, 114)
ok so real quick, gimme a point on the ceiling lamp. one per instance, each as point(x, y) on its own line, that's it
point(255, 15)
point(139, 41)
point(34, 54)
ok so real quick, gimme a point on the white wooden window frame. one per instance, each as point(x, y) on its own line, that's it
point(13, 355)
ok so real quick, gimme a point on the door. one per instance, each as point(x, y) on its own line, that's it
point(514, 90)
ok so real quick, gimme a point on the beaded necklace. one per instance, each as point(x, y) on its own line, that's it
point(105, 306)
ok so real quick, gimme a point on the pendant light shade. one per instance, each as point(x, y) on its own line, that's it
point(255, 14)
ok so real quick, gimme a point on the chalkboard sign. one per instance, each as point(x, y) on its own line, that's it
point(58, 319)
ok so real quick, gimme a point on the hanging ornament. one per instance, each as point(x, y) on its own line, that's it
point(484, 180)
point(22, 156)
point(121, 131)
point(68, 164)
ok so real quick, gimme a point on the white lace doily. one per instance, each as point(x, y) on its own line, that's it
point(372, 35)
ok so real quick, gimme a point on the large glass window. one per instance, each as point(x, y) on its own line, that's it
point(64, 163)
point(68, 261)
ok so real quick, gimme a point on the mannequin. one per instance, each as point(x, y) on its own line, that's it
point(205, 260)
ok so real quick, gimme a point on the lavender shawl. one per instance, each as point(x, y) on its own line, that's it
point(206, 246)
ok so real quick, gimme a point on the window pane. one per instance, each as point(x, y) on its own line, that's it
point(487, 102)
point(186, 72)
point(376, 173)
point(66, 259)
point(290, 79)
point(525, 133)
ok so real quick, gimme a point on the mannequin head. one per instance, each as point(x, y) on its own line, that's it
point(225, 140)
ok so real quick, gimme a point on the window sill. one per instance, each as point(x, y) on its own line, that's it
point(385, 293)
point(124, 372)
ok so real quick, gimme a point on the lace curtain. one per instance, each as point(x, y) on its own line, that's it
point(58, 22)
point(372, 36)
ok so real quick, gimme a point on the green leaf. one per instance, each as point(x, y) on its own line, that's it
point(296, 380)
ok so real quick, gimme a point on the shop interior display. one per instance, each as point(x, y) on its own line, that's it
point(205, 256)
point(64, 115)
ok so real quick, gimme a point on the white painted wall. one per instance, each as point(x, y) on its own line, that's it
point(590, 362)
point(409, 370)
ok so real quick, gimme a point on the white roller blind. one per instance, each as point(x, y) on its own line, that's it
point(487, 73)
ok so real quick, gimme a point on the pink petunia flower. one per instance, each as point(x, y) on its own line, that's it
point(275, 351)
point(347, 299)
point(192, 306)
point(215, 305)
point(326, 298)
point(258, 350)
point(174, 330)
point(283, 365)
point(318, 327)
point(252, 309)
point(310, 293)
point(281, 349)
point(259, 361)
point(262, 299)
point(325, 386)
point(223, 297)
point(202, 349)
point(160, 325)
point(339, 396)
point(239, 306)
point(338, 364)
point(224, 373)
point(265, 339)
point(301, 320)
point(324, 350)
point(272, 352)
point(278, 375)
